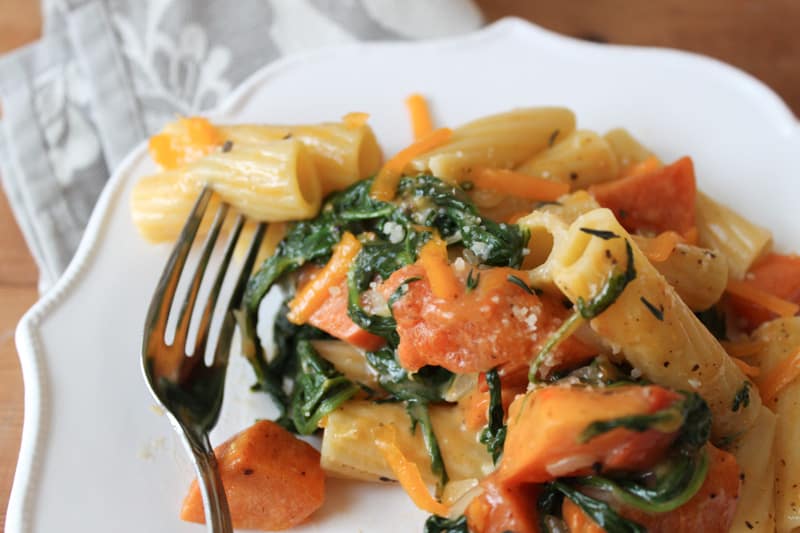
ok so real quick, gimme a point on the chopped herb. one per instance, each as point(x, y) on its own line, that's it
point(519, 283)
point(553, 137)
point(472, 281)
point(658, 312)
point(227, 146)
point(439, 524)
point(601, 233)
point(494, 434)
point(742, 397)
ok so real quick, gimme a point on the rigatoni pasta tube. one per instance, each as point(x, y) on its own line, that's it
point(781, 338)
point(649, 323)
point(342, 153)
point(272, 182)
point(721, 228)
point(755, 510)
point(625, 146)
point(161, 203)
point(698, 275)
point(581, 159)
point(349, 450)
point(498, 141)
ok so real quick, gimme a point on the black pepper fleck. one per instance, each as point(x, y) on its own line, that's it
point(247, 472)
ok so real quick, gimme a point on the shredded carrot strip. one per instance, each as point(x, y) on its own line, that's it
point(779, 377)
point(385, 184)
point(768, 301)
point(651, 164)
point(407, 472)
point(748, 370)
point(517, 184)
point(443, 280)
point(742, 348)
point(355, 119)
point(659, 248)
point(314, 293)
point(420, 114)
point(691, 236)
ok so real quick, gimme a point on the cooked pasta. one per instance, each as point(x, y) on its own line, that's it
point(781, 339)
point(348, 445)
point(580, 159)
point(626, 148)
point(342, 153)
point(740, 241)
point(642, 323)
point(755, 510)
point(526, 326)
point(498, 141)
point(698, 275)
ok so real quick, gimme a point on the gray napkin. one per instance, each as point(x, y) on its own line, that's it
point(108, 73)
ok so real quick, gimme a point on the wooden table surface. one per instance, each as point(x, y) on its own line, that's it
point(756, 35)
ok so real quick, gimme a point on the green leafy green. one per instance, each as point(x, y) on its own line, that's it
point(472, 281)
point(521, 284)
point(439, 524)
point(601, 233)
point(318, 389)
point(675, 482)
point(690, 416)
point(494, 434)
point(420, 417)
point(611, 289)
point(598, 510)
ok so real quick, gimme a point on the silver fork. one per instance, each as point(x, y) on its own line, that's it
point(187, 388)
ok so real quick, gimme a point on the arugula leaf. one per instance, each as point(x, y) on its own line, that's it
point(691, 416)
point(676, 481)
point(494, 434)
point(420, 416)
point(318, 389)
point(598, 510)
point(427, 385)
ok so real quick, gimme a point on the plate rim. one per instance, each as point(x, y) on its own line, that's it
point(28, 341)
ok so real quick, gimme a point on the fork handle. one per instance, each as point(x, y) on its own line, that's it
point(215, 503)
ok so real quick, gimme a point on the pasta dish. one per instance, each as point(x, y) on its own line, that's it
point(525, 325)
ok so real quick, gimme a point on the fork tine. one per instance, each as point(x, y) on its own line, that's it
point(211, 302)
point(223, 349)
point(185, 317)
point(156, 321)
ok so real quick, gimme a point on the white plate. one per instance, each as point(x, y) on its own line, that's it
point(95, 457)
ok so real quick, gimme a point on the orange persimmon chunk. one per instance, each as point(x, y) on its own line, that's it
point(272, 479)
point(544, 429)
point(500, 508)
point(659, 201)
point(497, 322)
point(332, 318)
point(711, 510)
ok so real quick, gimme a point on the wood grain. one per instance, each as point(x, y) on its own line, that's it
point(20, 23)
point(759, 36)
